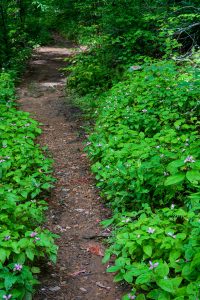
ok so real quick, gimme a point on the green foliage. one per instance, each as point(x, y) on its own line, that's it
point(25, 175)
point(23, 24)
point(145, 142)
point(7, 88)
point(157, 253)
point(145, 149)
point(88, 73)
point(119, 34)
point(146, 138)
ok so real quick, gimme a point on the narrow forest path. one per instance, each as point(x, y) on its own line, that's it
point(74, 207)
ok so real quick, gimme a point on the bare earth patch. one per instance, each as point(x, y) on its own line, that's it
point(74, 206)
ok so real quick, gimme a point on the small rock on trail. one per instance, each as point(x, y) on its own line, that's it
point(74, 207)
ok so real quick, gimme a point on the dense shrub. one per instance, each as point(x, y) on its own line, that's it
point(123, 33)
point(146, 138)
point(158, 253)
point(25, 175)
point(145, 142)
point(145, 149)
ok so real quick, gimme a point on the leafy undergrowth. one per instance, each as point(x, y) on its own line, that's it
point(25, 175)
point(146, 152)
point(138, 78)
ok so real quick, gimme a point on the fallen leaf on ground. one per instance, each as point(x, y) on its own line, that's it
point(95, 249)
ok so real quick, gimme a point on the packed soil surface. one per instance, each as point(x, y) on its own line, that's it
point(75, 209)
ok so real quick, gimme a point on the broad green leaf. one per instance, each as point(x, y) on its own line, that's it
point(147, 250)
point(181, 236)
point(126, 297)
point(174, 179)
point(3, 255)
point(30, 253)
point(164, 296)
point(35, 270)
point(176, 282)
point(192, 288)
point(162, 270)
point(128, 277)
point(10, 279)
point(153, 294)
point(158, 294)
point(166, 285)
point(174, 165)
point(53, 258)
point(106, 257)
point(140, 297)
point(23, 243)
point(113, 269)
point(193, 176)
point(174, 255)
point(21, 258)
point(143, 278)
point(24, 194)
point(118, 277)
point(107, 222)
point(196, 261)
point(46, 186)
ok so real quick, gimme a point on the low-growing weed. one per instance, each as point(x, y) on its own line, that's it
point(25, 175)
point(145, 149)
point(146, 138)
point(157, 253)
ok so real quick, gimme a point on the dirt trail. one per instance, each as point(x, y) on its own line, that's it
point(74, 207)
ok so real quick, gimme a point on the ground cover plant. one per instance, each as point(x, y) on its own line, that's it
point(158, 253)
point(146, 137)
point(138, 79)
point(145, 148)
point(25, 175)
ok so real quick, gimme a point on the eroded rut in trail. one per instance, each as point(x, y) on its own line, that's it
point(74, 207)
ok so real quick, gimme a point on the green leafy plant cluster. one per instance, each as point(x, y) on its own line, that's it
point(145, 149)
point(23, 25)
point(88, 73)
point(119, 34)
point(146, 138)
point(25, 178)
point(145, 142)
point(157, 252)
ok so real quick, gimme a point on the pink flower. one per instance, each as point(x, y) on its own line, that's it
point(189, 158)
point(153, 265)
point(7, 297)
point(150, 230)
point(18, 267)
point(33, 234)
point(131, 296)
